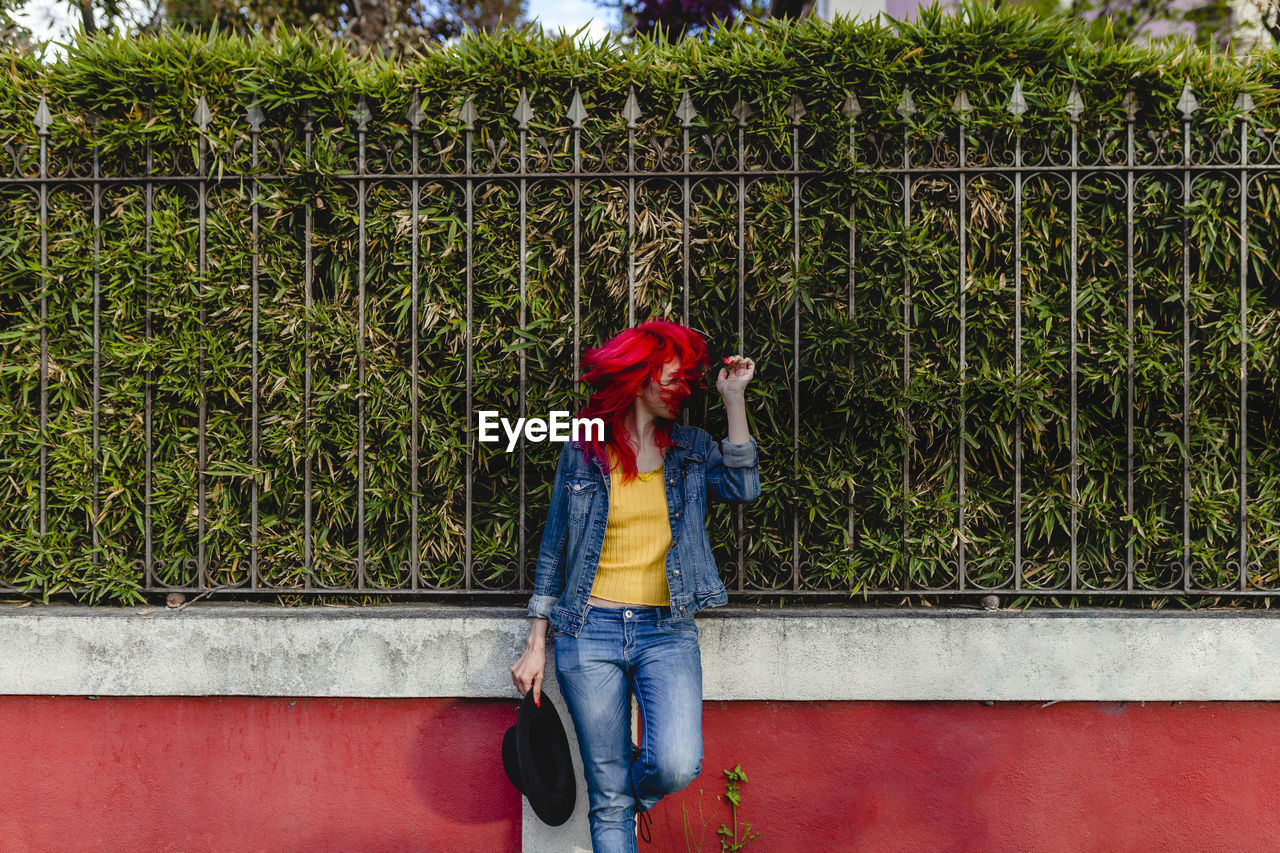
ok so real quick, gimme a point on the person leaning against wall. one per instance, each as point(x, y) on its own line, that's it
point(625, 563)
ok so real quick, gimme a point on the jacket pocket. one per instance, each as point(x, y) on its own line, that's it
point(693, 474)
point(582, 493)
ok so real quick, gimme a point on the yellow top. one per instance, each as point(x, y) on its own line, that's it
point(633, 560)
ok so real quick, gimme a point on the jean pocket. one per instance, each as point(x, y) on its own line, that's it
point(678, 627)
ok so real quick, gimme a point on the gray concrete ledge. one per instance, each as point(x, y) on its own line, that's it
point(428, 650)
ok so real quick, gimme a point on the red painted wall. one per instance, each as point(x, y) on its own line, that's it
point(938, 776)
point(255, 774)
point(250, 774)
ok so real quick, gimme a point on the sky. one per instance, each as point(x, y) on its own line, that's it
point(53, 19)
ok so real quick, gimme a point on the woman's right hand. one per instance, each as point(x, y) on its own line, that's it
point(527, 672)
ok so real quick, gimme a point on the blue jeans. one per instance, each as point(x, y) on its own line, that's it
point(638, 650)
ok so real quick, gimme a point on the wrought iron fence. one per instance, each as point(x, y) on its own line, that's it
point(1056, 156)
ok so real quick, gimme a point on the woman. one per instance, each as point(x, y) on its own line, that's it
point(625, 563)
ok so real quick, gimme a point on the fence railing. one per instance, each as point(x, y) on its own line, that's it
point(957, 166)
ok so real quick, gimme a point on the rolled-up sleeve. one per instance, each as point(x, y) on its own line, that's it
point(733, 471)
point(549, 573)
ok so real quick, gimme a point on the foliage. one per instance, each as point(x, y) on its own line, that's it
point(734, 839)
point(176, 332)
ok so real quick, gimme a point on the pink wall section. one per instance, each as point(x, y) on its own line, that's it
point(269, 774)
point(255, 774)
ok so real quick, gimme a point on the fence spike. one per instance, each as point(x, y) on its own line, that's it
point(685, 112)
point(1244, 103)
point(1017, 101)
point(961, 104)
point(361, 114)
point(851, 107)
point(1075, 106)
point(576, 111)
point(43, 118)
point(906, 104)
point(202, 117)
point(308, 117)
point(522, 112)
point(1187, 103)
point(1130, 104)
point(795, 110)
point(631, 109)
point(468, 113)
point(741, 111)
point(415, 114)
point(253, 114)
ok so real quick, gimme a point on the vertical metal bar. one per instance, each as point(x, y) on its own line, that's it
point(45, 278)
point(307, 275)
point(203, 416)
point(362, 187)
point(253, 356)
point(853, 256)
point(906, 355)
point(1017, 358)
point(148, 567)
point(1075, 204)
point(631, 113)
point(963, 180)
point(577, 251)
point(686, 113)
point(468, 123)
point(1246, 103)
point(740, 525)
point(414, 569)
point(685, 254)
point(1128, 444)
point(524, 233)
point(795, 347)
point(1186, 352)
point(97, 352)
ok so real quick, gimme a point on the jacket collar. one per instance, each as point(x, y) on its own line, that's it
point(681, 436)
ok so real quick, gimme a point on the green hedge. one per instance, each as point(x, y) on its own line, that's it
point(121, 94)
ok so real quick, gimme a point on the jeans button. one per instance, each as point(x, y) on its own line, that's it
point(676, 573)
point(677, 516)
point(628, 614)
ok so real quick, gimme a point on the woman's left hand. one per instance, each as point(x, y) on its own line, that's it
point(734, 376)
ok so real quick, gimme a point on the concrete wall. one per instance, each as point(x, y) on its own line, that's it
point(416, 650)
point(379, 729)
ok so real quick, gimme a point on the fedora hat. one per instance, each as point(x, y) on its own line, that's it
point(535, 755)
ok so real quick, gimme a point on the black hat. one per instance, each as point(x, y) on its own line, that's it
point(535, 754)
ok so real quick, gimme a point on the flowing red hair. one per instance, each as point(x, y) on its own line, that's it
point(622, 368)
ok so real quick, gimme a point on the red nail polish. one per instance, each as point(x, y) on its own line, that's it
point(537, 701)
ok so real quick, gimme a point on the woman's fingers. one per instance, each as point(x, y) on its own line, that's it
point(517, 680)
point(527, 673)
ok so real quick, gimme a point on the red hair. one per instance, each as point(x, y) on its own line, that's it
point(622, 368)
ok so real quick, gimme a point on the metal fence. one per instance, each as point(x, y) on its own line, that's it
point(906, 155)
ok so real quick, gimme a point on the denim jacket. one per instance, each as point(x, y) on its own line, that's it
point(694, 468)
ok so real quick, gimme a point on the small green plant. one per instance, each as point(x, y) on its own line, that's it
point(730, 839)
point(689, 845)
